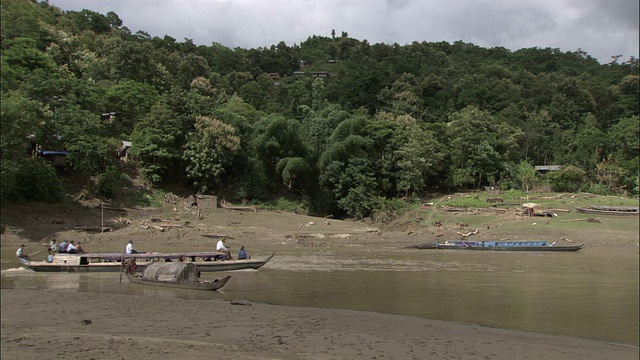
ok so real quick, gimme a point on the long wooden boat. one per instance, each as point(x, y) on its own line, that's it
point(609, 210)
point(174, 275)
point(112, 262)
point(499, 246)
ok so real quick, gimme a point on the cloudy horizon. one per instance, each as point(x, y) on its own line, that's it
point(601, 28)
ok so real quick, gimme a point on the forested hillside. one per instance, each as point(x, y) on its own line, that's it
point(342, 125)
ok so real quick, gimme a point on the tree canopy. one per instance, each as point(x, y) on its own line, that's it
point(338, 122)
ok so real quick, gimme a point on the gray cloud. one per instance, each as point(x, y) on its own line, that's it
point(602, 28)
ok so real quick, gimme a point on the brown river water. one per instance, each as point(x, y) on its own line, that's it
point(589, 294)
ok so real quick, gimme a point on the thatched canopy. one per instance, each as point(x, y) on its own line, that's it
point(530, 205)
point(171, 271)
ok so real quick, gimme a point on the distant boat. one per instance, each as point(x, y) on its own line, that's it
point(112, 262)
point(499, 246)
point(174, 275)
point(609, 210)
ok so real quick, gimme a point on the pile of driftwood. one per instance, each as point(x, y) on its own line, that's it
point(159, 224)
point(224, 205)
point(472, 209)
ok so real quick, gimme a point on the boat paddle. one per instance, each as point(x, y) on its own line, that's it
point(121, 266)
point(35, 252)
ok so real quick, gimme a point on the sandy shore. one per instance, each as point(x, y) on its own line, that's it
point(134, 327)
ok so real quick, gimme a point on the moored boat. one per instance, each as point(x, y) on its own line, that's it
point(174, 275)
point(609, 210)
point(500, 246)
point(112, 262)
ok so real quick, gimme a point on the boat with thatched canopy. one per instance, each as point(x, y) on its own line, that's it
point(175, 275)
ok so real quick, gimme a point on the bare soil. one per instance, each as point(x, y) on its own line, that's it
point(114, 326)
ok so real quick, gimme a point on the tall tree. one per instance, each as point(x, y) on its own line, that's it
point(209, 151)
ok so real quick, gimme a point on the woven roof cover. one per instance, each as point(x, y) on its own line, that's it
point(171, 271)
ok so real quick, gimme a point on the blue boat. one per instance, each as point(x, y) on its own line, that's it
point(501, 246)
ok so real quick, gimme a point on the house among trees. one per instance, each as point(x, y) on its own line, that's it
point(274, 76)
point(321, 74)
point(543, 169)
point(304, 64)
point(123, 151)
point(55, 157)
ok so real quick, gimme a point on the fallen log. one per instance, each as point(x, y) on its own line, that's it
point(93, 229)
point(469, 233)
point(587, 220)
point(218, 236)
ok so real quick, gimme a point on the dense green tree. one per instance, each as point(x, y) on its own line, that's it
point(568, 179)
point(390, 119)
point(84, 136)
point(156, 143)
point(129, 100)
point(209, 151)
point(418, 159)
point(277, 139)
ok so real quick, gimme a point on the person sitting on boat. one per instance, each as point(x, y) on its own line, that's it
point(243, 254)
point(129, 249)
point(72, 249)
point(52, 247)
point(63, 247)
point(131, 266)
point(79, 249)
point(21, 254)
point(221, 247)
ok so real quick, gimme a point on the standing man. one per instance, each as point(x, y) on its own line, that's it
point(221, 247)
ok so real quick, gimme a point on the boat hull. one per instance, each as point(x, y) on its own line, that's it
point(499, 246)
point(200, 285)
point(73, 263)
point(610, 210)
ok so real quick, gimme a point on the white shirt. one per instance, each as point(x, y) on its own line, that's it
point(71, 247)
point(19, 252)
point(129, 248)
point(221, 246)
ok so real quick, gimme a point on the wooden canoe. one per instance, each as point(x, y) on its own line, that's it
point(609, 210)
point(199, 285)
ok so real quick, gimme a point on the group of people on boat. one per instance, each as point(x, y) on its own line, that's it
point(76, 248)
point(64, 248)
point(221, 246)
point(54, 248)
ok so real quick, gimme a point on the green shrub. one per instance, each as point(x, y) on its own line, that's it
point(36, 180)
point(568, 179)
point(110, 182)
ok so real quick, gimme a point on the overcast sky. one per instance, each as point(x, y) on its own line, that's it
point(602, 28)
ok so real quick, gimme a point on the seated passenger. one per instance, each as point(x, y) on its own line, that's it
point(72, 249)
point(63, 247)
point(221, 247)
point(243, 254)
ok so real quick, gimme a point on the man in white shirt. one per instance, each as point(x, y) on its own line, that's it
point(71, 248)
point(129, 249)
point(53, 247)
point(221, 247)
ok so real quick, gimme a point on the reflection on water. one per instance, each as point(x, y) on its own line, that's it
point(587, 294)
